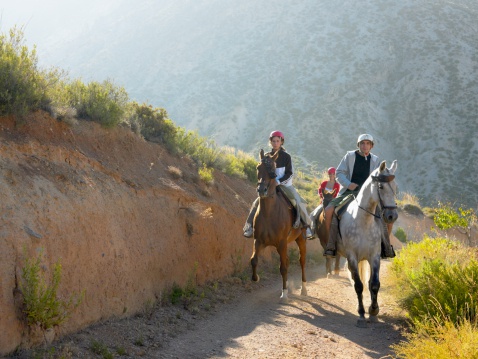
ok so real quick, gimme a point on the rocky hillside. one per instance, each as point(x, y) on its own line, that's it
point(106, 204)
point(321, 71)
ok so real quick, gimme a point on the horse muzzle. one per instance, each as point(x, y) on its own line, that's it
point(390, 215)
point(263, 190)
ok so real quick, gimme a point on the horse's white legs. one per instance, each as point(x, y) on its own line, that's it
point(303, 290)
point(284, 296)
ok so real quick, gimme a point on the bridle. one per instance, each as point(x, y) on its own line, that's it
point(267, 162)
point(382, 179)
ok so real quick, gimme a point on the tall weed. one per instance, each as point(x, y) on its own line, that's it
point(43, 307)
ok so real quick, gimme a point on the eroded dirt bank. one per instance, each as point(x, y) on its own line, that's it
point(104, 204)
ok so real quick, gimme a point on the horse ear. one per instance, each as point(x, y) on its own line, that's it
point(382, 166)
point(262, 154)
point(274, 157)
point(394, 166)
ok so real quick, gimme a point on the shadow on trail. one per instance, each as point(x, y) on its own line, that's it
point(246, 325)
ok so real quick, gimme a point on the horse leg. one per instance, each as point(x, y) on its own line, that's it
point(255, 260)
point(374, 286)
point(284, 265)
point(337, 265)
point(303, 252)
point(358, 286)
point(328, 266)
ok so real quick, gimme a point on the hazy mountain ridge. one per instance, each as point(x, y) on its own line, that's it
point(322, 72)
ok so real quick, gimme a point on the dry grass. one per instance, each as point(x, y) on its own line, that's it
point(175, 172)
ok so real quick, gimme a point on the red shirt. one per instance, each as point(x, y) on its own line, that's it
point(324, 184)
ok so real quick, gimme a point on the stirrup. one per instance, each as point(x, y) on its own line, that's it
point(309, 234)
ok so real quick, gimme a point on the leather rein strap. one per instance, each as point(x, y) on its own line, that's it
point(381, 179)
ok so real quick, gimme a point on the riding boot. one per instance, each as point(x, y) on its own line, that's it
point(248, 227)
point(330, 249)
point(309, 233)
point(386, 248)
point(297, 219)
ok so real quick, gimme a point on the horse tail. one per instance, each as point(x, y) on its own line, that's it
point(364, 273)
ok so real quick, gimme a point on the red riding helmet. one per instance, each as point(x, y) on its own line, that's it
point(276, 134)
point(331, 170)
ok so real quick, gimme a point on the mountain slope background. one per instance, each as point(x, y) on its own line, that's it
point(321, 71)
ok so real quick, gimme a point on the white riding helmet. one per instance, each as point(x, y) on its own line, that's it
point(364, 137)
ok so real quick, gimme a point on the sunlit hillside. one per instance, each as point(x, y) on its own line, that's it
point(321, 71)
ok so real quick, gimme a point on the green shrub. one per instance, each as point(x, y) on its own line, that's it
point(447, 217)
point(440, 341)
point(22, 85)
point(206, 174)
point(401, 234)
point(101, 349)
point(436, 278)
point(153, 123)
point(412, 209)
point(185, 294)
point(43, 307)
point(250, 168)
point(105, 103)
point(233, 166)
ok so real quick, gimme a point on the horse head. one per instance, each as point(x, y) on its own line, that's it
point(384, 179)
point(266, 175)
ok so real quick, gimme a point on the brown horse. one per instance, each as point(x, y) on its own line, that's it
point(273, 223)
point(321, 232)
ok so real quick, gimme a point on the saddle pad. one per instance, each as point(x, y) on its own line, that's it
point(342, 206)
point(281, 192)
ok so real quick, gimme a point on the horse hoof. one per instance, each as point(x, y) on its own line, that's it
point(373, 319)
point(284, 296)
point(373, 312)
point(362, 323)
point(337, 273)
point(256, 278)
point(303, 291)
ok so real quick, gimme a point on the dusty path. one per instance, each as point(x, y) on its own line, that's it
point(238, 320)
point(321, 325)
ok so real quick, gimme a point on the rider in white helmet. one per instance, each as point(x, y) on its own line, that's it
point(352, 172)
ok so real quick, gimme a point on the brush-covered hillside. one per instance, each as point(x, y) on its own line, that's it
point(321, 71)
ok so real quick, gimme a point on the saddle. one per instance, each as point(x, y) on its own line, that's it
point(340, 209)
point(289, 203)
point(286, 199)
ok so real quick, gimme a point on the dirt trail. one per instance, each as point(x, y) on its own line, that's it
point(321, 325)
point(247, 320)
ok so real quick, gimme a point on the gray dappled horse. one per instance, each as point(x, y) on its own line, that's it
point(361, 231)
point(273, 223)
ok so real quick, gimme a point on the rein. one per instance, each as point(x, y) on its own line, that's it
point(272, 175)
point(381, 179)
